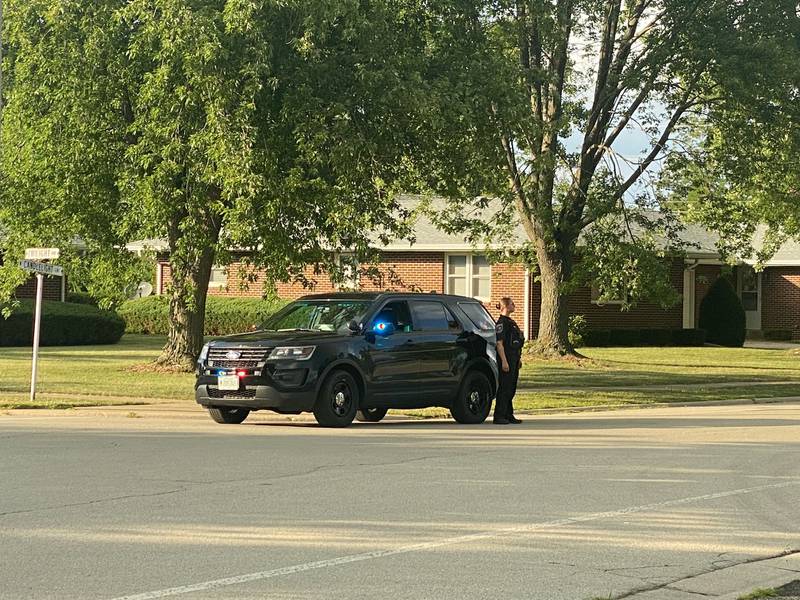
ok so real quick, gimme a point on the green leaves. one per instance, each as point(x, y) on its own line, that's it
point(741, 168)
point(279, 127)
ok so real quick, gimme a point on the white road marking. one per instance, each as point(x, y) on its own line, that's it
point(352, 558)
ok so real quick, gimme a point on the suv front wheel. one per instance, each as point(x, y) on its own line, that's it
point(228, 416)
point(337, 402)
point(474, 399)
point(371, 415)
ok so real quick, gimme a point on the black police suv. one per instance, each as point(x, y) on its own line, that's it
point(345, 356)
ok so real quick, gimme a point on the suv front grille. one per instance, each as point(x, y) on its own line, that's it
point(249, 358)
point(216, 393)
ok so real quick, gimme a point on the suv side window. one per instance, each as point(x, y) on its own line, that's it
point(478, 314)
point(430, 316)
point(396, 312)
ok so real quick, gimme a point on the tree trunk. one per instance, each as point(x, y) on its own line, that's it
point(187, 310)
point(190, 263)
point(555, 269)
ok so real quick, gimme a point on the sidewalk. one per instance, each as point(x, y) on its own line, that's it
point(191, 410)
point(769, 345)
point(729, 582)
point(523, 386)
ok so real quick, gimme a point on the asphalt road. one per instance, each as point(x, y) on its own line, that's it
point(95, 505)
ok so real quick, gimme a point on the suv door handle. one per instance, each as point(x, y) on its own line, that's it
point(408, 343)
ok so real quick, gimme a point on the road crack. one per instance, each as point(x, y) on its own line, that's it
point(670, 584)
point(90, 502)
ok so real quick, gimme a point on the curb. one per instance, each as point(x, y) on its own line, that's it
point(611, 407)
point(731, 582)
point(192, 409)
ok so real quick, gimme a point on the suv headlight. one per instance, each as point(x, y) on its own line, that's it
point(293, 352)
point(203, 354)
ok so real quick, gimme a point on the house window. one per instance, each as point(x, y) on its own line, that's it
point(469, 275)
point(596, 298)
point(350, 273)
point(219, 277)
point(749, 288)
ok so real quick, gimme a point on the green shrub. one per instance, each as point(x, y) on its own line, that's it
point(597, 338)
point(625, 337)
point(600, 338)
point(63, 324)
point(81, 298)
point(577, 330)
point(223, 315)
point(655, 337)
point(722, 315)
point(778, 335)
point(688, 337)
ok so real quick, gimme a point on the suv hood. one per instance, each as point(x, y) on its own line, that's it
point(277, 338)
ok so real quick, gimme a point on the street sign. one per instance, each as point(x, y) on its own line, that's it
point(42, 253)
point(41, 269)
point(44, 269)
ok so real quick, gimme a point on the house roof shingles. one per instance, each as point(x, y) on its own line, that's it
point(701, 242)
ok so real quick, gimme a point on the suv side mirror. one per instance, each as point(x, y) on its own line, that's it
point(354, 326)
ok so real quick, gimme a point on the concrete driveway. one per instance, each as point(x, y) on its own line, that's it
point(101, 505)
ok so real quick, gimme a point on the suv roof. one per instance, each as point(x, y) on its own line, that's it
point(381, 295)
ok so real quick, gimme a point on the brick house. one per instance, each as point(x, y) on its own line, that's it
point(441, 262)
point(55, 288)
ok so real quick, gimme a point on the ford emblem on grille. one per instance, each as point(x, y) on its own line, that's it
point(233, 355)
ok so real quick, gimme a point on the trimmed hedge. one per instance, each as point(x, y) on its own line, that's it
point(644, 337)
point(63, 324)
point(224, 316)
point(81, 298)
point(722, 315)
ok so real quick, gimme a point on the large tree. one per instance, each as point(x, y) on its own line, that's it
point(548, 89)
point(744, 181)
point(261, 126)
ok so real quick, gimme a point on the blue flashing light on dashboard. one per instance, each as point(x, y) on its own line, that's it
point(382, 328)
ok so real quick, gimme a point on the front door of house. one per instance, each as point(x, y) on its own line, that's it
point(749, 283)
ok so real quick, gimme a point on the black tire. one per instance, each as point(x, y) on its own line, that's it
point(371, 415)
point(337, 402)
point(228, 416)
point(474, 400)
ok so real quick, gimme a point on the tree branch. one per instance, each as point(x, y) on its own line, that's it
point(515, 179)
point(657, 148)
point(628, 114)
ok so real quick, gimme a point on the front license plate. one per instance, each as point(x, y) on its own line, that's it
point(228, 382)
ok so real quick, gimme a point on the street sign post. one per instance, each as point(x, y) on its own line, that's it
point(40, 269)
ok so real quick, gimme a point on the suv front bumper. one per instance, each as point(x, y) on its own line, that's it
point(262, 392)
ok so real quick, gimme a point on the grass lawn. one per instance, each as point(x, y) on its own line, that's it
point(96, 375)
point(91, 375)
point(622, 367)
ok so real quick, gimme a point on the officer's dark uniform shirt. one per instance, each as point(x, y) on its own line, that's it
point(510, 334)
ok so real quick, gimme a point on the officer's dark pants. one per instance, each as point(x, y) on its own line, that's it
point(503, 408)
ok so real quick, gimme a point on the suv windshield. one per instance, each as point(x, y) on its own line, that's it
point(316, 315)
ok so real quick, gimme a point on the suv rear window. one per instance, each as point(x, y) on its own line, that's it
point(429, 316)
point(478, 314)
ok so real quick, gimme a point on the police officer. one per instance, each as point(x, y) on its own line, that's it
point(509, 355)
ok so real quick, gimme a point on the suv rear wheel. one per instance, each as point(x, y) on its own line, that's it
point(337, 402)
point(474, 400)
point(371, 415)
point(229, 416)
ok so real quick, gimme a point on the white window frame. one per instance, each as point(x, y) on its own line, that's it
point(470, 276)
point(218, 284)
point(353, 281)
